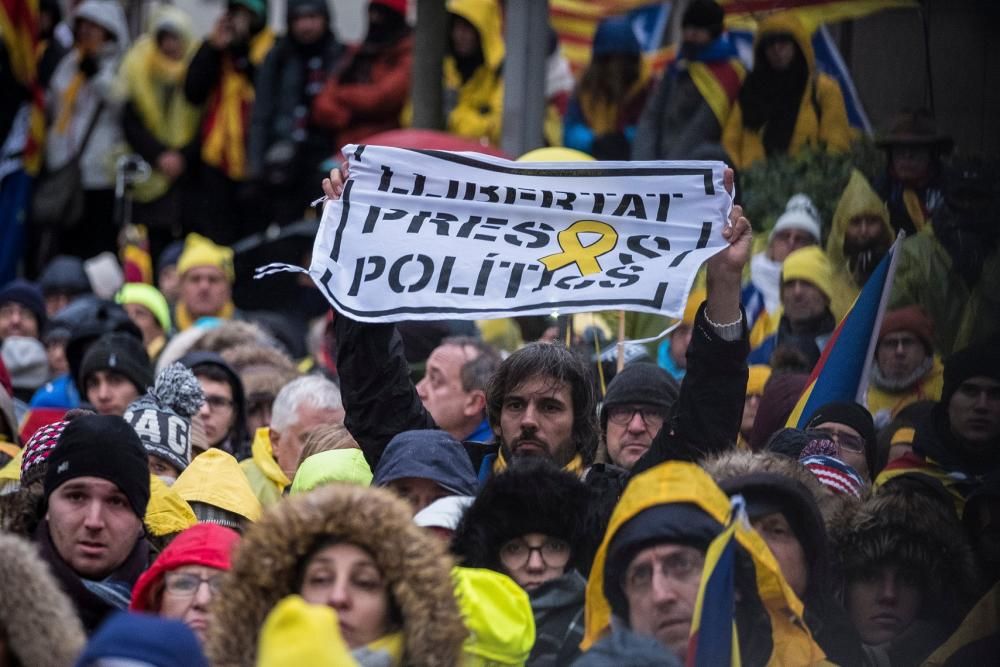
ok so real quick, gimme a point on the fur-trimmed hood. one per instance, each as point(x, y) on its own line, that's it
point(529, 497)
point(36, 618)
point(905, 527)
point(266, 566)
point(738, 462)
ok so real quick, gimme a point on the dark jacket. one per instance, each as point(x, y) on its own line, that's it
point(707, 415)
point(624, 647)
point(285, 85)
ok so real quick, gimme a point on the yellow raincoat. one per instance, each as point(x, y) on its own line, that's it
point(266, 478)
point(167, 512)
point(215, 478)
point(478, 107)
point(822, 114)
point(858, 199)
point(678, 482)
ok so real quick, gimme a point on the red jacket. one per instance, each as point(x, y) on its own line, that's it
point(204, 544)
point(360, 109)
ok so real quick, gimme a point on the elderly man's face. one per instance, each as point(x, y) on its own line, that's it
point(630, 432)
point(900, 354)
point(204, 291)
point(16, 320)
point(661, 586)
point(974, 411)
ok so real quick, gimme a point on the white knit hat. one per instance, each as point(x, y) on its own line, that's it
point(800, 213)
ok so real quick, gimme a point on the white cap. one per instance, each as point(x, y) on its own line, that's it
point(443, 513)
point(105, 274)
point(800, 213)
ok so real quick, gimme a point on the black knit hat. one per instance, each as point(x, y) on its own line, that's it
point(645, 384)
point(26, 294)
point(102, 446)
point(162, 417)
point(982, 360)
point(853, 415)
point(705, 14)
point(121, 353)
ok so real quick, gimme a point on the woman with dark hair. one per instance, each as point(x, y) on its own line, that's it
point(785, 103)
point(356, 551)
point(603, 114)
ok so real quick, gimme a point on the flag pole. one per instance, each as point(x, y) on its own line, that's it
point(862, 394)
point(621, 342)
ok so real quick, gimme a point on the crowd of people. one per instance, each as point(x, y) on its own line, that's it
point(185, 482)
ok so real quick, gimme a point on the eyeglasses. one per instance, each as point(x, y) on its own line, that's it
point(680, 566)
point(516, 553)
point(622, 415)
point(185, 585)
point(219, 402)
point(845, 441)
point(894, 344)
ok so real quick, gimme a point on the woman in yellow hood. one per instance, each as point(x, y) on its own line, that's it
point(785, 103)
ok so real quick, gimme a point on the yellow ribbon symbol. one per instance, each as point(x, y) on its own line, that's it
point(574, 252)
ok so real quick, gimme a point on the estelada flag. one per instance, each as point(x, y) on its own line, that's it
point(841, 374)
point(19, 32)
point(713, 641)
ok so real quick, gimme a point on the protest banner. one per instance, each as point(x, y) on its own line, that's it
point(423, 234)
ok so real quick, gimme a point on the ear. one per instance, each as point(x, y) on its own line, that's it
point(475, 403)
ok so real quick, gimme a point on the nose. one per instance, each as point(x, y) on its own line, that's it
point(203, 595)
point(636, 424)
point(204, 410)
point(664, 591)
point(888, 588)
point(529, 417)
point(535, 562)
point(422, 388)
point(94, 517)
point(340, 595)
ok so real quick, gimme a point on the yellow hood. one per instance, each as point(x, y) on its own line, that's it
point(263, 456)
point(789, 23)
point(678, 482)
point(215, 478)
point(484, 15)
point(167, 512)
point(857, 199)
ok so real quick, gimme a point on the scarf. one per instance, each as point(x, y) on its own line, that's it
point(385, 651)
point(68, 99)
point(575, 465)
point(885, 383)
point(228, 117)
point(184, 320)
point(765, 274)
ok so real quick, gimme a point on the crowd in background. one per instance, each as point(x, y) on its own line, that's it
point(255, 488)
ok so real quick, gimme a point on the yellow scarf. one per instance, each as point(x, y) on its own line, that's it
point(183, 320)
point(224, 144)
point(67, 102)
point(575, 466)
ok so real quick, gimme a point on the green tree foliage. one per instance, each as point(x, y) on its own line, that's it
point(823, 176)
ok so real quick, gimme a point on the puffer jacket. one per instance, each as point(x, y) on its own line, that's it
point(822, 114)
point(858, 198)
point(37, 620)
point(412, 562)
point(62, 142)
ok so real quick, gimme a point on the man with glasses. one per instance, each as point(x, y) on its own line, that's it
point(636, 403)
point(223, 414)
point(851, 429)
point(905, 369)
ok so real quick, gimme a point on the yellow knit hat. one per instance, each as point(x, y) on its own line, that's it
point(201, 251)
point(759, 375)
point(811, 265)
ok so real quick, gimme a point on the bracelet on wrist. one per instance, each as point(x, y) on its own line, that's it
point(738, 320)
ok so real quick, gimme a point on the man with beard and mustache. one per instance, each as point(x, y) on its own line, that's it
point(690, 103)
point(785, 102)
point(906, 369)
point(285, 149)
point(952, 268)
point(859, 238)
point(370, 84)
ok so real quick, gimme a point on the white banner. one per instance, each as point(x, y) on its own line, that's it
point(426, 235)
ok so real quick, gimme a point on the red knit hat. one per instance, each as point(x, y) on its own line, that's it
point(206, 544)
point(398, 6)
point(913, 319)
point(38, 449)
